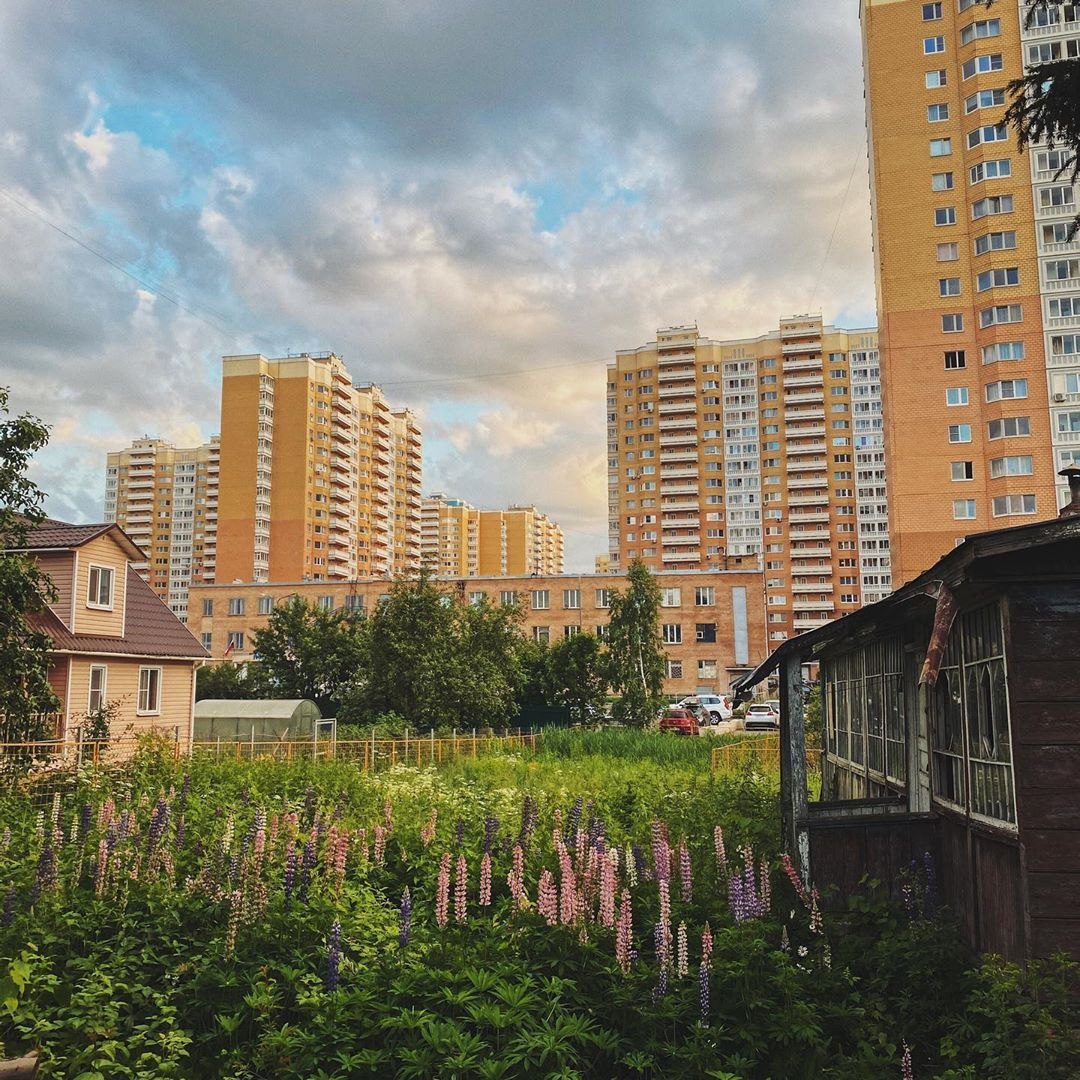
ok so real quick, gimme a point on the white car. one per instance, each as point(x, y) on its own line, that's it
point(762, 716)
point(711, 707)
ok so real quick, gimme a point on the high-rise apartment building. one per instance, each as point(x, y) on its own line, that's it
point(461, 541)
point(724, 453)
point(320, 479)
point(978, 284)
point(166, 498)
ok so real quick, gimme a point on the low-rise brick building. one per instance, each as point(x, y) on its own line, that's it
point(713, 622)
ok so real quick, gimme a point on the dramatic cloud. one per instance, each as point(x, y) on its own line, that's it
point(474, 201)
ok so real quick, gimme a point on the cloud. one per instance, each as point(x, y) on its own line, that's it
point(442, 192)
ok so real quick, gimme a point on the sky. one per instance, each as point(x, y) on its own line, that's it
point(473, 202)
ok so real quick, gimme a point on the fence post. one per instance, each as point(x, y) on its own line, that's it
point(78, 745)
point(432, 761)
point(372, 749)
point(474, 742)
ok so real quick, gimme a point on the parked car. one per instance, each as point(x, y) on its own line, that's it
point(711, 708)
point(679, 721)
point(762, 716)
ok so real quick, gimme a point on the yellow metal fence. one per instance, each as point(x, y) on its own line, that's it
point(761, 753)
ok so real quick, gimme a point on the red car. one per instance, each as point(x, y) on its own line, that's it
point(679, 722)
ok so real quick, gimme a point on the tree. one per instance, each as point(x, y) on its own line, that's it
point(25, 590)
point(305, 651)
point(575, 675)
point(636, 658)
point(227, 681)
point(489, 665)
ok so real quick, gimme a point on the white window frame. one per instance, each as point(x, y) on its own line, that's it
point(150, 678)
point(671, 633)
point(100, 571)
point(540, 599)
point(101, 691)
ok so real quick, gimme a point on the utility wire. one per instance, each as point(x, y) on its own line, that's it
point(836, 223)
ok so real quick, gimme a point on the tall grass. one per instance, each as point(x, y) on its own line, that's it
point(630, 745)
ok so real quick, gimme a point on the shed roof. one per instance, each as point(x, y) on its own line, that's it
point(259, 709)
point(951, 570)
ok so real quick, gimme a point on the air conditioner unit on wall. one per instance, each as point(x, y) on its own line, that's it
point(1059, 397)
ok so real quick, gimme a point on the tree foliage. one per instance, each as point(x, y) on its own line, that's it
point(305, 651)
point(575, 675)
point(228, 682)
point(24, 589)
point(636, 657)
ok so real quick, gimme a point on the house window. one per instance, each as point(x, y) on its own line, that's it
point(672, 633)
point(96, 699)
point(477, 599)
point(541, 599)
point(945, 215)
point(995, 241)
point(994, 204)
point(982, 65)
point(1004, 275)
point(936, 79)
point(542, 634)
point(990, 170)
point(670, 596)
point(949, 286)
point(984, 28)
point(1000, 314)
point(931, 12)
point(266, 605)
point(1003, 350)
point(962, 470)
point(984, 99)
point(940, 147)
point(706, 631)
point(571, 598)
point(942, 181)
point(207, 640)
point(149, 691)
point(99, 587)
point(353, 602)
point(933, 45)
point(1011, 466)
point(326, 603)
point(935, 113)
point(208, 608)
point(236, 605)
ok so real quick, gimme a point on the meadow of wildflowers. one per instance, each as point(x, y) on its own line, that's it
point(563, 914)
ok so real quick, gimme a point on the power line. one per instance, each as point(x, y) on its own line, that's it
point(832, 235)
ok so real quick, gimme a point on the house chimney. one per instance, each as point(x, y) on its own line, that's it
point(1071, 508)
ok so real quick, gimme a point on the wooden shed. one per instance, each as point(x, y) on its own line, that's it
point(951, 724)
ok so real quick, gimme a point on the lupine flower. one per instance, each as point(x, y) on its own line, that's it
point(442, 890)
point(516, 878)
point(102, 862)
point(661, 943)
point(639, 864)
point(39, 825)
point(796, 881)
point(930, 901)
point(461, 881)
point(405, 919)
point(706, 945)
point(235, 902)
point(573, 820)
point(906, 1071)
point(379, 846)
point(309, 802)
point(46, 873)
point(388, 814)
point(765, 884)
point(703, 991)
point(547, 903)
point(624, 933)
point(682, 952)
point(56, 811)
point(661, 852)
point(608, 881)
point(333, 957)
point(341, 855)
point(459, 833)
point(816, 921)
point(427, 830)
point(227, 834)
point(567, 887)
point(485, 879)
point(73, 836)
point(86, 817)
point(491, 827)
point(663, 948)
point(785, 941)
point(685, 874)
point(8, 916)
point(307, 864)
point(290, 875)
point(184, 788)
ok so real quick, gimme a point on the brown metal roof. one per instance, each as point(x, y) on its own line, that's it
point(51, 535)
point(150, 629)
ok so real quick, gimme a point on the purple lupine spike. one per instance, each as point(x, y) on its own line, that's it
point(9, 907)
point(333, 957)
point(573, 819)
point(185, 787)
point(405, 918)
point(639, 861)
point(112, 836)
point(703, 991)
point(930, 903)
point(491, 827)
point(660, 943)
point(180, 827)
point(459, 833)
point(158, 821)
point(46, 873)
point(290, 875)
point(86, 817)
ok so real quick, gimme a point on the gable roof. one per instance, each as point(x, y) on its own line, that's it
point(150, 629)
point(53, 535)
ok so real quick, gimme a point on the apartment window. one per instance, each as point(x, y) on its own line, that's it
point(540, 599)
point(936, 79)
point(933, 45)
point(266, 605)
point(949, 286)
point(571, 598)
point(149, 691)
point(952, 324)
point(542, 634)
point(938, 112)
point(956, 395)
point(1062, 269)
point(984, 99)
point(945, 215)
point(984, 28)
point(235, 642)
point(955, 358)
point(997, 278)
point(207, 640)
point(1011, 466)
point(982, 65)
point(995, 241)
point(941, 181)
point(992, 204)
point(931, 12)
point(207, 608)
point(674, 669)
point(704, 596)
point(353, 602)
point(236, 605)
point(671, 596)
point(1003, 350)
point(990, 170)
point(963, 509)
point(1006, 389)
point(672, 633)
point(570, 631)
point(477, 598)
point(948, 252)
point(96, 699)
point(959, 433)
point(603, 598)
point(707, 670)
point(962, 470)
point(940, 147)
point(1010, 427)
point(99, 587)
point(1012, 505)
point(1067, 422)
point(1000, 313)
point(1061, 195)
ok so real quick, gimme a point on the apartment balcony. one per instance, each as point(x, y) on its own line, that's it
point(806, 519)
point(807, 482)
point(677, 391)
point(1042, 213)
point(140, 473)
point(682, 556)
point(677, 488)
point(795, 415)
point(804, 396)
point(807, 553)
point(140, 485)
point(804, 448)
point(1069, 437)
point(807, 466)
point(808, 500)
point(804, 380)
point(684, 540)
point(809, 587)
point(680, 455)
point(811, 346)
point(801, 365)
point(807, 533)
point(682, 439)
point(678, 504)
point(678, 407)
point(673, 474)
point(813, 605)
point(806, 622)
point(670, 372)
point(343, 435)
point(679, 354)
point(1062, 285)
point(680, 521)
point(1063, 360)
point(804, 431)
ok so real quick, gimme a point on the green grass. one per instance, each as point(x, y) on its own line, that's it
point(630, 745)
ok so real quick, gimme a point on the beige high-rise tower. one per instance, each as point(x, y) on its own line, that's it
point(320, 479)
point(724, 453)
point(978, 284)
point(166, 499)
